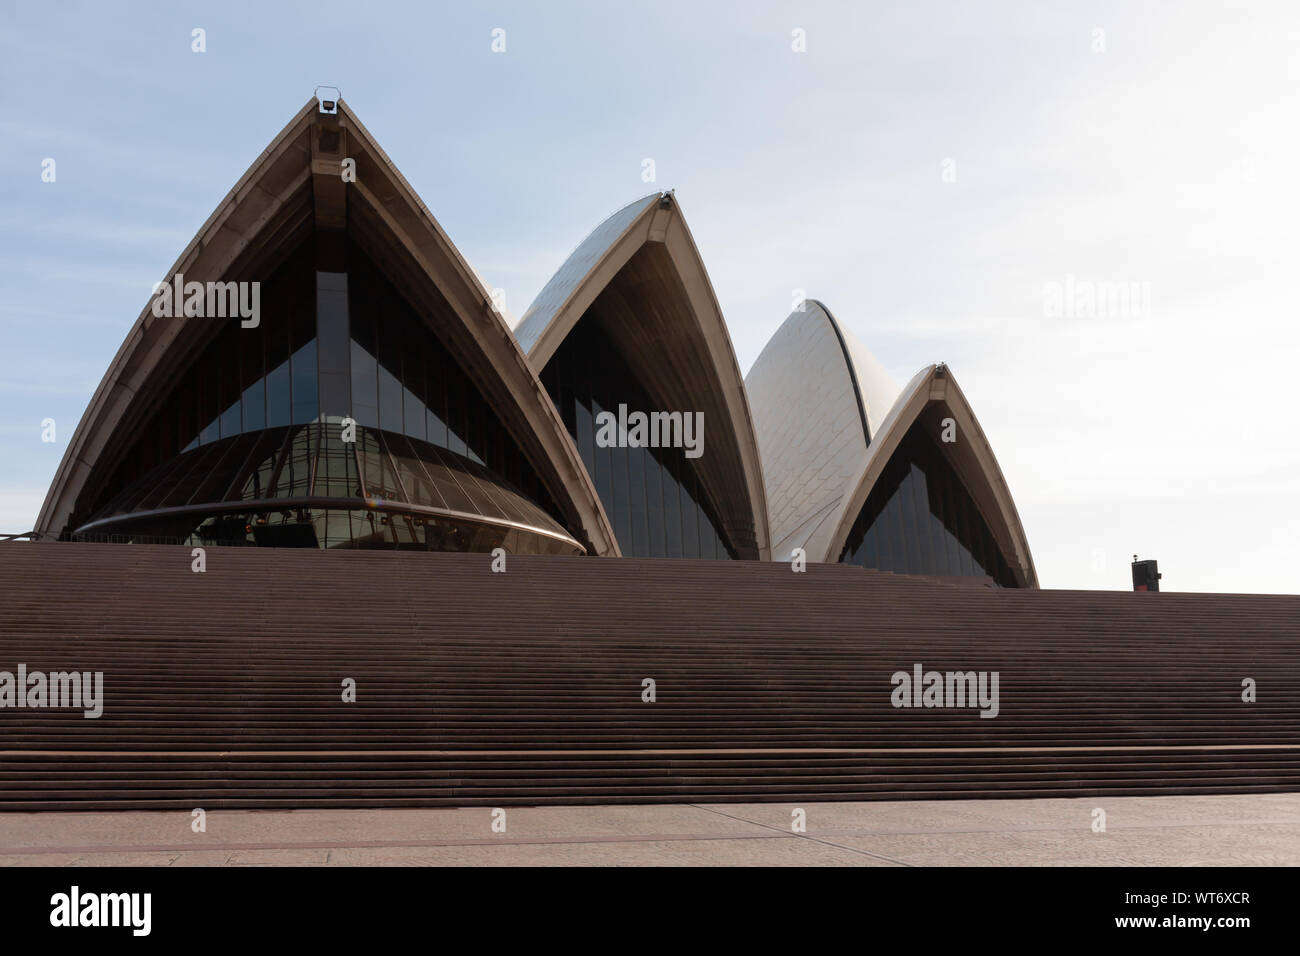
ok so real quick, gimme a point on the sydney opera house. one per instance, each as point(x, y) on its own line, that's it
point(470, 432)
point(259, 509)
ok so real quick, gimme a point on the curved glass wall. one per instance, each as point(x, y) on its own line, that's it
point(231, 490)
point(919, 519)
point(652, 495)
point(254, 430)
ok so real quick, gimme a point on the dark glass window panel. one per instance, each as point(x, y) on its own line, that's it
point(481, 499)
point(226, 373)
point(914, 515)
point(583, 429)
point(463, 472)
point(509, 505)
point(390, 322)
point(567, 406)
point(967, 526)
point(718, 551)
point(414, 475)
point(435, 399)
point(181, 484)
point(465, 415)
point(370, 460)
point(260, 466)
point(868, 553)
point(941, 504)
point(186, 404)
point(231, 422)
point(294, 479)
point(413, 417)
point(306, 401)
point(251, 376)
point(476, 429)
point(362, 314)
point(690, 530)
point(277, 339)
point(602, 474)
point(148, 453)
point(279, 407)
point(933, 518)
point(449, 478)
point(652, 496)
point(365, 387)
point(333, 344)
point(208, 407)
point(636, 493)
point(336, 469)
point(708, 541)
point(899, 525)
point(222, 471)
point(302, 311)
point(622, 511)
point(390, 401)
point(151, 488)
point(672, 493)
point(395, 482)
point(435, 428)
point(412, 378)
point(253, 405)
point(456, 429)
point(167, 432)
point(456, 412)
point(474, 483)
point(514, 506)
point(919, 519)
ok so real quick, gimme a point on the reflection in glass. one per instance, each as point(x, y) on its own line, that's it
point(404, 492)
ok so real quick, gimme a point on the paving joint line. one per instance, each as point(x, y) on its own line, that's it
point(804, 836)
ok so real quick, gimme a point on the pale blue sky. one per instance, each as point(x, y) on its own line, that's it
point(1167, 159)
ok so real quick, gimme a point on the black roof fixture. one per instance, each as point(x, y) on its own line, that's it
point(331, 105)
point(1146, 575)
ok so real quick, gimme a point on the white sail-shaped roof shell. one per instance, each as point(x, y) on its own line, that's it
point(828, 419)
point(817, 396)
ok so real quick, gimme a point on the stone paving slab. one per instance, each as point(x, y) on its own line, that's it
point(1140, 831)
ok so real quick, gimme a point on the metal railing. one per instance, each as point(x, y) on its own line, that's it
point(105, 538)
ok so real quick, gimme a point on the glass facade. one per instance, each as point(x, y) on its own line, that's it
point(256, 420)
point(919, 519)
point(652, 495)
